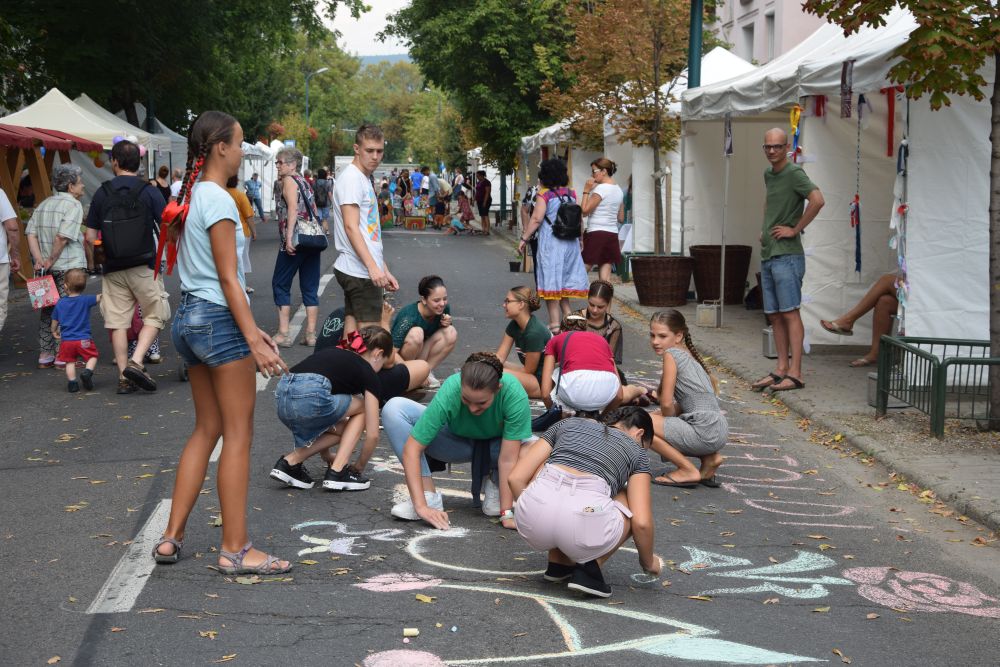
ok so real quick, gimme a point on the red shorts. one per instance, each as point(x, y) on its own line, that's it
point(69, 350)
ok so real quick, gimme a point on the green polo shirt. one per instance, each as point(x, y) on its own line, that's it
point(508, 417)
point(786, 193)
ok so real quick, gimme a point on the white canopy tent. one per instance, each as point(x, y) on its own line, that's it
point(150, 141)
point(177, 155)
point(948, 172)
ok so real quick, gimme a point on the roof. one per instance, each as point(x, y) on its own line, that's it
point(151, 141)
point(55, 111)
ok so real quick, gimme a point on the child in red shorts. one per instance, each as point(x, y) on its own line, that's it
point(71, 326)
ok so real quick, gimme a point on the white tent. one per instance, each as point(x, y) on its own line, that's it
point(150, 141)
point(947, 229)
point(177, 154)
point(57, 112)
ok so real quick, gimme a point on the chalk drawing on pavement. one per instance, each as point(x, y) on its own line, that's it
point(348, 541)
point(922, 591)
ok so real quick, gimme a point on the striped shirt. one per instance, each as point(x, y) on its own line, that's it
point(602, 451)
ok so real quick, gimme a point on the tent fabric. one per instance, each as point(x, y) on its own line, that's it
point(811, 68)
point(76, 143)
point(56, 111)
point(150, 141)
point(177, 156)
point(13, 136)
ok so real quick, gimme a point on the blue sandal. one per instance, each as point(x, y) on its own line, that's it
point(237, 566)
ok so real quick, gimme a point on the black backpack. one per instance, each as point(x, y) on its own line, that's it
point(128, 232)
point(321, 193)
point(568, 224)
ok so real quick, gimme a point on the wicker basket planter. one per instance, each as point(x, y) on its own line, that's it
point(707, 263)
point(662, 280)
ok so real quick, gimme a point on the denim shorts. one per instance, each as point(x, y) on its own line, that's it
point(781, 282)
point(206, 333)
point(306, 406)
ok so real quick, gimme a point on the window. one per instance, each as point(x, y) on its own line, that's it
point(748, 42)
point(769, 33)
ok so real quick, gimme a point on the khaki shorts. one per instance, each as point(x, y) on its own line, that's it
point(123, 289)
point(362, 298)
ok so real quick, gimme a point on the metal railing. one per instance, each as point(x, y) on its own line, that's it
point(941, 377)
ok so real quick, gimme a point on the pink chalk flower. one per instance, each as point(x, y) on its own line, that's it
point(403, 658)
point(392, 582)
point(921, 591)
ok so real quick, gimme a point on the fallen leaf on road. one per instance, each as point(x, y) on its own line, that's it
point(666, 582)
point(308, 562)
point(824, 547)
point(979, 542)
point(191, 617)
point(812, 471)
point(210, 634)
point(53, 660)
point(872, 616)
point(772, 559)
point(734, 511)
point(248, 580)
point(818, 537)
point(821, 610)
point(214, 596)
point(71, 598)
point(117, 629)
point(145, 475)
point(771, 601)
point(225, 658)
point(520, 634)
point(703, 598)
point(420, 597)
point(727, 533)
point(843, 658)
point(150, 610)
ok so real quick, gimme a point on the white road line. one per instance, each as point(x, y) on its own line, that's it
point(122, 588)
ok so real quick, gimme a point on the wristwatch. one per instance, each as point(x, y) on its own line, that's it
point(507, 514)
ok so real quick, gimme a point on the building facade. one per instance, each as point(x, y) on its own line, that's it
point(761, 30)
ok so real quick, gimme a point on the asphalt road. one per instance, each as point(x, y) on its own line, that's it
point(807, 555)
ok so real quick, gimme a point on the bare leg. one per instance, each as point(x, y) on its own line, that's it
point(146, 337)
point(312, 313)
point(884, 286)
point(413, 344)
point(349, 440)
point(710, 463)
point(119, 344)
point(555, 313)
point(881, 323)
point(626, 534)
point(528, 381)
point(604, 272)
point(284, 313)
point(557, 556)
point(564, 305)
point(419, 370)
point(350, 324)
point(796, 335)
point(686, 472)
point(439, 346)
point(780, 328)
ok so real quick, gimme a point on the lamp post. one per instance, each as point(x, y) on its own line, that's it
point(309, 76)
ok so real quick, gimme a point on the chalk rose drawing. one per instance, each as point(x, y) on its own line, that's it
point(392, 582)
point(921, 591)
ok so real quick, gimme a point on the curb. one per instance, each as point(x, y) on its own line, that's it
point(947, 491)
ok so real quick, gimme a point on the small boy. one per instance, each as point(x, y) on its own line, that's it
point(71, 326)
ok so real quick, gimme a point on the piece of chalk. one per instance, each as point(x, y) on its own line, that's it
point(406, 640)
point(454, 628)
point(411, 632)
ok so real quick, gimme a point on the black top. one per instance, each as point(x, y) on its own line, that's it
point(347, 371)
point(150, 196)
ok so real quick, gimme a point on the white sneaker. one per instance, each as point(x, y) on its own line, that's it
point(432, 382)
point(405, 509)
point(491, 498)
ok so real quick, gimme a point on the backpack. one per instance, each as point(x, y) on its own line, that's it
point(321, 193)
point(568, 224)
point(128, 231)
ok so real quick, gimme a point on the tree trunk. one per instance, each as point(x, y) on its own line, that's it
point(657, 102)
point(995, 250)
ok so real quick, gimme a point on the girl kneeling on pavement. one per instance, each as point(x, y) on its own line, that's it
point(423, 330)
point(587, 379)
point(480, 415)
point(527, 335)
point(691, 422)
point(582, 490)
point(330, 397)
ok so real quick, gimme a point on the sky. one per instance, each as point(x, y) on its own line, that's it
point(358, 36)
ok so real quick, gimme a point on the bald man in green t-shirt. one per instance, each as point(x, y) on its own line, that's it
point(782, 261)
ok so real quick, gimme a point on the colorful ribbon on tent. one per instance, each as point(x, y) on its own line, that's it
point(820, 106)
point(890, 94)
point(795, 120)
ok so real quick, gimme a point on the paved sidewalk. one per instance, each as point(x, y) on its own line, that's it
point(962, 469)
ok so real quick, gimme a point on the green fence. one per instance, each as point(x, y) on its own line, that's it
point(941, 377)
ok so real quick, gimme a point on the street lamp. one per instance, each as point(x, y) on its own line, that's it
point(309, 76)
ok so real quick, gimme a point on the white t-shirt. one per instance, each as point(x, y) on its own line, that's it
point(605, 216)
point(6, 213)
point(175, 189)
point(199, 276)
point(353, 187)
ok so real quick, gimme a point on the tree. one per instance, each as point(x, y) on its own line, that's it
point(491, 57)
point(622, 63)
point(942, 57)
point(433, 131)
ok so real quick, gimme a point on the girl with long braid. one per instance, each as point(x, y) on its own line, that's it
point(692, 422)
point(216, 336)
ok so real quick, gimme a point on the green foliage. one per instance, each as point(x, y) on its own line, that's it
point(943, 55)
point(433, 131)
point(491, 57)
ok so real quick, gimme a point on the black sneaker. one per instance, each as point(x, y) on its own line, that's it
point(558, 572)
point(87, 378)
point(345, 480)
point(587, 578)
point(138, 375)
point(72, 386)
point(125, 386)
point(292, 475)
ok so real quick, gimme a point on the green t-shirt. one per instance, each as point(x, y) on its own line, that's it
point(508, 417)
point(408, 317)
point(786, 192)
point(532, 339)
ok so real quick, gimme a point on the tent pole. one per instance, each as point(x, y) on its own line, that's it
point(683, 178)
point(722, 270)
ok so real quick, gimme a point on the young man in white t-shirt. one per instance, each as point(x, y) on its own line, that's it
point(360, 268)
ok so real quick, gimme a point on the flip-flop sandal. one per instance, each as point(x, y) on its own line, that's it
point(672, 482)
point(796, 384)
point(762, 384)
point(710, 482)
point(237, 566)
point(861, 363)
point(167, 559)
point(835, 328)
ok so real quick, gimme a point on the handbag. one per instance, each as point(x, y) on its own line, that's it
point(316, 242)
point(545, 420)
point(42, 291)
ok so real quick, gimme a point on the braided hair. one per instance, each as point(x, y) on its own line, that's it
point(482, 370)
point(675, 322)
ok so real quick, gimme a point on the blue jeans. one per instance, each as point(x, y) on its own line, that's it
point(781, 283)
point(398, 418)
point(206, 333)
point(306, 406)
point(258, 205)
point(306, 264)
